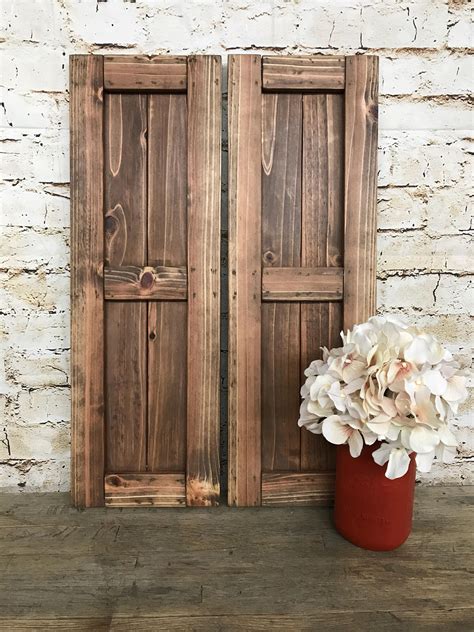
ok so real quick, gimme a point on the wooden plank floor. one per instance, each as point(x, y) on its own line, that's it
point(230, 569)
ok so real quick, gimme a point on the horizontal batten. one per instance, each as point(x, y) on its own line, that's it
point(131, 283)
point(302, 284)
point(297, 488)
point(303, 73)
point(138, 490)
point(135, 73)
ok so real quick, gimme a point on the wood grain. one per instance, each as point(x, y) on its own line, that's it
point(132, 283)
point(204, 191)
point(145, 490)
point(302, 284)
point(87, 321)
point(322, 241)
point(125, 203)
point(303, 73)
point(295, 488)
point(361, 115)
point(245, 129)
point(125, 179)
point(140, 72)
point(167, 180)
point(281, 246)
point(126, 386)
point(167, 322)
point(263, 569)
point(167, 352)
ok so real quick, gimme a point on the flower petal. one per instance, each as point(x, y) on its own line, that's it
point(398, 463)
point(335, 431)
point(382, 454)
point(356, 443)
point(423, 439)
point(425, 461)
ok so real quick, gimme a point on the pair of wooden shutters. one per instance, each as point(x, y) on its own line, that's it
point(145, 197)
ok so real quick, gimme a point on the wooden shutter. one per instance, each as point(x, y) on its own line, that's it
point(145, 198)
point(302, 205)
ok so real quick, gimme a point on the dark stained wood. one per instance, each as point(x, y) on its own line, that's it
point(204, 168)
point(143, 490)
point(321, 325)
point(322, 241)
point(303, 73)
point(125, 179)
point(131, 283)
point(295, 488)
point(126, 245)
point(167, 322)
point(263, 569)
point(87, 322)
point(140, 72)
point(302, 284)
point(126, 386)
point(244, 419)
point(361, 116)
point(281, 247)
point(167, 331)
point(167, 180)
point(280, 386)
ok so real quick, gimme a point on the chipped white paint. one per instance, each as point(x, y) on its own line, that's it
point(425, 222)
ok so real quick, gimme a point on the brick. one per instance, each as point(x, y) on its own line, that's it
point(460, 25)
point(426, 75)
point(36, 331)
point(397, 114)
point(46, 22)
point(259, 24)
point(21, 291)
point(34, 111)
point(44, 405)
point(401, 209)
point(105, 22)
point(35, 370)
point(34, 476)
point(42, 441)
point(449, 211)
point(417, 251)
point(408, 24)
point(324, 25)
point(43, 208)
point(33, 248)
point(20, 65)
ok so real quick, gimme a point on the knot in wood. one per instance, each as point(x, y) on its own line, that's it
point(147, 280)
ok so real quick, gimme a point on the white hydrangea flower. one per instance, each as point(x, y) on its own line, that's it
point(389, 382)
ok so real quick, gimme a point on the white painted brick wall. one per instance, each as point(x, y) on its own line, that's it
point(425, 167)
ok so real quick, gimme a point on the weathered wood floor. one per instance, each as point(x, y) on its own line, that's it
point(228, 569)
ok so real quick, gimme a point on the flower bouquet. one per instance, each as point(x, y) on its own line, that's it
point(390, 386)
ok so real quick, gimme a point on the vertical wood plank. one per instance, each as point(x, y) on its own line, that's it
point(167, 330)
point(204, 165)
point(126, 382)
point(245, 129)
point(167, 180)
point(361, 97)
point(167, 321)
point(87, 320)
point(322, 241)
point(126, 244)
point(281, 246)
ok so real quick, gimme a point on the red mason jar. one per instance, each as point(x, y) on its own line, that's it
point(372, 511)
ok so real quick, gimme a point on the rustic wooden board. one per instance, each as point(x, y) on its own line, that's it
point(139, 72)
point(302, 284)
point(131, 283)
point(318, 142)
point(87, 322)
point(297, 488)
point(204, 165)
point(281, 246)
point(245, 114)
point(322, 242)
point(145, 490)
point(125, 203)
point(167, 352)
point(361, 115)
point(303, 74)
point(264, 569)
